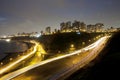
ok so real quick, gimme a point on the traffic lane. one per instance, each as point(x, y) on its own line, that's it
point(96, 42)
point(44, 72)
point(18, 60)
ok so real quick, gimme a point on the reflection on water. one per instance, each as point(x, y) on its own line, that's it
point(11, 47)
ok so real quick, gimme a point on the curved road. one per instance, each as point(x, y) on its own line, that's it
point(16, 61)
point(59, 67)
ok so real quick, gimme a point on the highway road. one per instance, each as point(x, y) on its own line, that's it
point(60, 67)
point(15, 62)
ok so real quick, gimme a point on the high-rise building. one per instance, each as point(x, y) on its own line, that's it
point(99, 27)
point(82, 26)
point(76, 25)
point(68, 24)
point(48, 30)
point(63, 26)
point(66, 27)
point(91, 28)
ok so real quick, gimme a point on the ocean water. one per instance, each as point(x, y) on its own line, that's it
point(7, 48)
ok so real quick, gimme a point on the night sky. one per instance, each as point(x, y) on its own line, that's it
point(34, 15)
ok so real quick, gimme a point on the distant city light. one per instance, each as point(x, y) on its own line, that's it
point(35, 35)
point(4, 36)
point(8, 40)
point(78, 32)
point(38, 35)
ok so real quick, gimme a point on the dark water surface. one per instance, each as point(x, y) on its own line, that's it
point(7, 48)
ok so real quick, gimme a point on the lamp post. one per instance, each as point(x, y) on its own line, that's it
point(72, 47)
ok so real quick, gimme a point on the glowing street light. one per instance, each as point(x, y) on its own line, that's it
point(89, 40)
point(1, 63)
point(8, 40)
point(11, 59)
point(72, 47)
point(83, 43)
point(18, 55)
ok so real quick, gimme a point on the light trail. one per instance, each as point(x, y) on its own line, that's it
point(3, 70)
point(83, 61)
point(20, 71)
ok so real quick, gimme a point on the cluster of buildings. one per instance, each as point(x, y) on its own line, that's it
point(98, 27)
point(76, 26)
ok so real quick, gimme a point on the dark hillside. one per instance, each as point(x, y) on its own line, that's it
point(108, 68)
point(62, 41)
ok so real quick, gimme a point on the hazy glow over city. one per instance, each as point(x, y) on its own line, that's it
point(34, 15)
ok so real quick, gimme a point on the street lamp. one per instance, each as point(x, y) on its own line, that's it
point(83, 43)
point(72, 47)
point(18, 55)
point(11, 59)
point(1, 63)
point(89, 40)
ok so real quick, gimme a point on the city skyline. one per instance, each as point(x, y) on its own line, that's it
point(35, 15)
